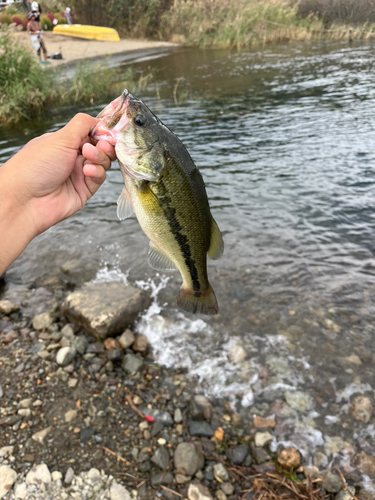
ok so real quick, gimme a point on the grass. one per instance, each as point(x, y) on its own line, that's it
point(29, 91)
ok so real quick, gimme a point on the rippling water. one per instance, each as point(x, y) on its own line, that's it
point(284, 138)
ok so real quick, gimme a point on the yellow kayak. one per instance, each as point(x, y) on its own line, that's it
point(85, 31)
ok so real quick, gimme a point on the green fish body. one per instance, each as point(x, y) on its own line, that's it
point(165, 190)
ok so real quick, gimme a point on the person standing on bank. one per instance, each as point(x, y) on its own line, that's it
point(67, 15)
point(35, 31)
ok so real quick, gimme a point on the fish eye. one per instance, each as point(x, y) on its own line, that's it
point(139, 120)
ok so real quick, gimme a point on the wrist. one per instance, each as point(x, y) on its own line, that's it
point(16, 222)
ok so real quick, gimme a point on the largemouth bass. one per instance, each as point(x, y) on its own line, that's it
point(165, 190)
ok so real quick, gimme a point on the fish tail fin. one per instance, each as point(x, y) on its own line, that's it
point(198, 302)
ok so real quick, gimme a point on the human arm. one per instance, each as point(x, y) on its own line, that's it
point(47, 181)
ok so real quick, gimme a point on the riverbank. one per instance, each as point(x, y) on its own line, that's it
point(88, 418)
point(74, 50)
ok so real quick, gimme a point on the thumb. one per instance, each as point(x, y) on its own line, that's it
point(77, 130)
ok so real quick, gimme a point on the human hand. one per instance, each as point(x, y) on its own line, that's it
point(54, 175)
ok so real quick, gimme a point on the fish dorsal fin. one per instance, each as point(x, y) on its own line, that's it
point(158, 260)
point(124, 205)
point(216, 244)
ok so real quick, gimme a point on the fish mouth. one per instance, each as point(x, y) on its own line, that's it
point(113, 118)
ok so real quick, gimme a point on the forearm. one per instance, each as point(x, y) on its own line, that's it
point(16, 227)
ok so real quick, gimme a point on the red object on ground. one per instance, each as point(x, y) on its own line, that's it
point(149, 418)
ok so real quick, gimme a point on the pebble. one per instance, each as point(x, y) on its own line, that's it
point(177, 416)
point(188, 458)
point(39, 474)
point(262, 438)
point(200, 429)
point(131, 363)
point(70, 415)
point(332, 482)
point(220, 473)
point(140, 343)
point(220, 495)
point(264, 423)
point(65, 355)
point(199, 492)
point(69, 476)
point(40, 435)
point(126, 339)
point(238, 453)
point(7, 478)
point(118, 492)
point(42, 321)
point(228, 488)
point(346, 495)
point(25, 403)
point(362, 409)
point(20, 491)
point(56, 475)
point(237, 354)
point(161, 478)
point(161, 457)
point(8, 307)
point(289, 458)
point(298, 400)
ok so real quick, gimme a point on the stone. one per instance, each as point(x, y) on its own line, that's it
point(115, 354)
point(298, 400)
point(177, 416)
point(346, 495)
point(25, 403)
point(20, 491)
point(220, 473)
point(289, 458)
point(8, 307)
point(366, 464)
point(199, 492)
point(181, 478)
point(264, 423)
point(126, 339)
point(237, 354)
point(333, 445)
point(262, 438)
point(188, 458)
point(206, 406)
point(118, 492)
point(131, 363)
point(86, 434)
point(362, 409)
point(56, 475)
point(200, 429)
point(111, 343)
point(39, 474)
point(65, 355)
point(161, 478)
point(105, 309)
point(6, 450)
point(228, 488)
point(70, 415)
point(68, 331)
point(42, 321)
point(220, 495)
point(158, 415)
point(140, 343)
point(7, 478)
point(40, 435)
point(80, 344)
point(366, 495)
point(238, 453)
point(161, 457)
point(69, 476)
point(332, 482)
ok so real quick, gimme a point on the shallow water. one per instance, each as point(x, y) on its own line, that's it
point(284, 138)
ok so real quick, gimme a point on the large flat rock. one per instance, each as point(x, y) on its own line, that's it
point(105, 309)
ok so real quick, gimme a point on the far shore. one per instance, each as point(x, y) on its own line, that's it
point(75, 49)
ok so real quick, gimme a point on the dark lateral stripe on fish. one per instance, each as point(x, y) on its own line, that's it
point(170, 214)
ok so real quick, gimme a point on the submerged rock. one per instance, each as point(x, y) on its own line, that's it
point(105, 309)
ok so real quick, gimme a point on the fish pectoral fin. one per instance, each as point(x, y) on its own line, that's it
point(158, 260)
point(216, 244)
point(124, 205)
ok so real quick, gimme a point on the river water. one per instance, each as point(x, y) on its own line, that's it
point(284, 138)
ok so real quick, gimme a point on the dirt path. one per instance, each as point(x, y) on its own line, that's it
point(74, 49)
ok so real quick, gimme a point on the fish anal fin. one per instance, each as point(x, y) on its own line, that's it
point(124, 205)
point(216, 243)
point(198, 302)
point(158, 260)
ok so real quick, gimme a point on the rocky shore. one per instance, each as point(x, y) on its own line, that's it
point(87, 413)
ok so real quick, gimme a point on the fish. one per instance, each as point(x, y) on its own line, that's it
point(166, 191)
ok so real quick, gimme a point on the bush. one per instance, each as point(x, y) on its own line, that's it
point(60, 18)
point(347, 11)
point(4, 19)
point(46, 23)
point(51, 16)
point(17, 21)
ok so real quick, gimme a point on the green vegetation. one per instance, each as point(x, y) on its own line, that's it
point(29, 91)
point(232, 23)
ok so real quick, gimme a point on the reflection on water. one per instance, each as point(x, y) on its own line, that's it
point(284, 138)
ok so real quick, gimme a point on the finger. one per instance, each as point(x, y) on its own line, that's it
point(108, 149)
point(95, 155)
point(94, 176)
point(78, 129)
